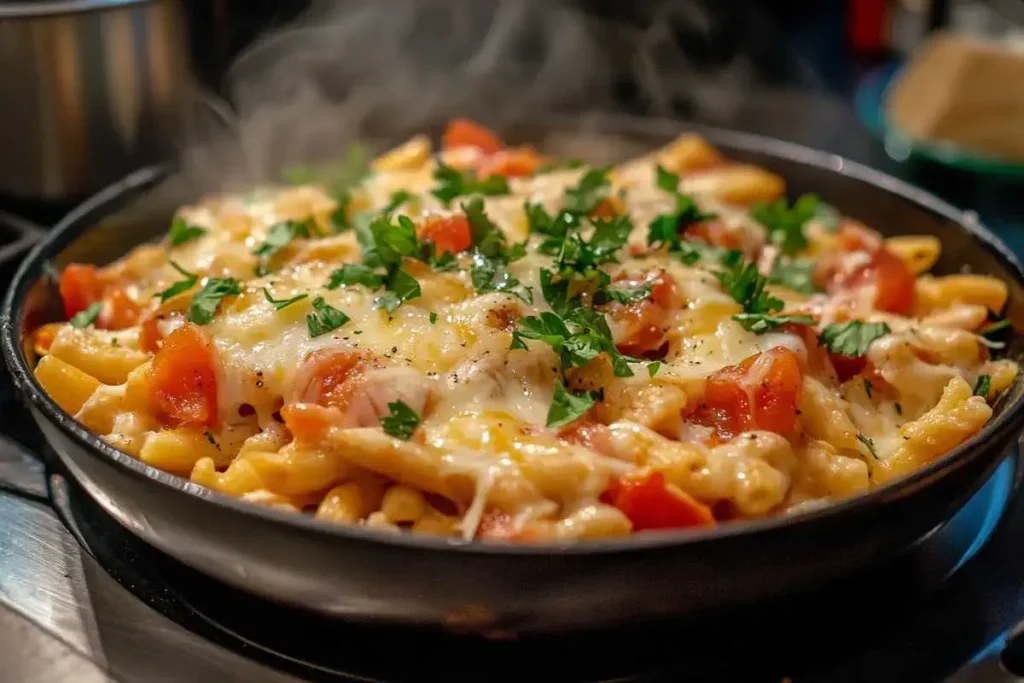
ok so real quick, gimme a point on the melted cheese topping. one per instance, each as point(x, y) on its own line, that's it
point(482, 456)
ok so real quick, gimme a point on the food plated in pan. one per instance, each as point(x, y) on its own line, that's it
point(488, 343)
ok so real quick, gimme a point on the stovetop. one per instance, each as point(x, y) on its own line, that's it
point(83, 600)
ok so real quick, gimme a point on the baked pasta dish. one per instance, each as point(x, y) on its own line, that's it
point(484, 342)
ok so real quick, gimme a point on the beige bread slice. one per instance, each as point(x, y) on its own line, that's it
point(963, 91)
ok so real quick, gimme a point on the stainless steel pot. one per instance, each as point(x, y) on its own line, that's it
point(90, 90)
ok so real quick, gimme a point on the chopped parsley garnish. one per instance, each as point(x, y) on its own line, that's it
point(797, 275)
point(785, 224)
point(668, 229)
point(745, 284)
point(205, 302)
point(983, 386)
point(555, 228)
point(867, 387)
point(324, 318)
point(491, 275)
point(433, 317)
point(762, 322)
point(566, 165)
point(401, 287)
point(282, 303)
point(568, 407)
point(339, 219)
point(852, 339)
point(396, 200)
point(181, 231)
point(88, 316)
point(624, 295)
point(576, 347)
point(356, 274)
point(486, 237)
point(181, 285)
point(211, 438)
point(653, 367)
point(279, 235)
point(454, 183)
point(402, 422)
point(869, 443)
point(584, 197)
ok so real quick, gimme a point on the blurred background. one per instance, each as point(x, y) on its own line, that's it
point(929, 90)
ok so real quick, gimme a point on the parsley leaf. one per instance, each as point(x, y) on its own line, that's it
point(797, 275)
point(356, 274)
point(577, 347)
point(488, 239)
point(668, 229)
point(282, 303)
point(588, 193)
point(181, 231)
point(402, 422)
point(339, 218)
point(385, 243)
point(181, 285)
point(279, 235)
point(567, 407)
point(746, 285)
point(563, 288)
point(785, 224)
point(324, 318)
point(453, 183)
point(624, 295)
point(666, 180)
point(869, 443)
point(762, 322)
point(396, 200)
point(983, 386)
point(88, 316)
point(205, 302)
point(401, 288)
point(853, 338)
point(433, 317)
point(491, 275)
point(653, 367)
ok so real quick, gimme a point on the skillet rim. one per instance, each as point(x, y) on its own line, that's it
point(84, 216)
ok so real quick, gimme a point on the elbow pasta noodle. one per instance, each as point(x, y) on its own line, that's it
point(481, 341)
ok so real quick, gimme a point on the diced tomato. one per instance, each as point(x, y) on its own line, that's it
point(183, 377)
point(715, 233)
point(894, 283)
point(149, 335)
point(451, 234)
point(645, 320)
point(847, 366)
point(80, 287)
point(466, 133)
point(771, 379)
point(120, 311)
point(512, 163)
point(43, 337)
point(651, 503)
point(327, 378)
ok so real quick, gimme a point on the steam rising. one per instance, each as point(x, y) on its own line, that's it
point(383, 69)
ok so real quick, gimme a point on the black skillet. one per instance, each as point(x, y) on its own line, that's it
point(362, 574)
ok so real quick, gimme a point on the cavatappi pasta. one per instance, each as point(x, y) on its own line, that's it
point(484, 342)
